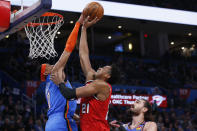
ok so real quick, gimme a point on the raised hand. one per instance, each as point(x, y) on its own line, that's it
point(117, 124)
point(114, 123)
point(57, 77)
point(87, 23)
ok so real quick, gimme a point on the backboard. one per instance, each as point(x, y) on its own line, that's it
point(30, 9)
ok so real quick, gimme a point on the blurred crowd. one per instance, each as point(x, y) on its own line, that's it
point(138, 72)
point(17, 115)
point(166, 73)
point(142, 72)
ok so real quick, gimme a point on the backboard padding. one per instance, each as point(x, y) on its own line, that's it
point(27, 15)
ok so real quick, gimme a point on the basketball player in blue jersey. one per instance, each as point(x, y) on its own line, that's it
point(60, 110)
point(141, 111)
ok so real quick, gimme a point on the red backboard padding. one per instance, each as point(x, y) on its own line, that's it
point(5, 9)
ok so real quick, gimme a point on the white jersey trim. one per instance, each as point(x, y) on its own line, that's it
point(89, 81)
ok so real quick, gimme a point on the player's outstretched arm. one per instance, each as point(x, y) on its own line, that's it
point(70, 45)
point(83, 91)
point(84, 51)
point(91, 89)
point(95, 87)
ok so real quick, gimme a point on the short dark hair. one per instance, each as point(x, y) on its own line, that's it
point(148, 114)
point(114, 74)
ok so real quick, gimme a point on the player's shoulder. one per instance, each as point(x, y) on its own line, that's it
point(150, 125)
point(103, 86)
point(100, 83)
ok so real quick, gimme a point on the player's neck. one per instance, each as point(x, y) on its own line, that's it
point(99, 78)
point(94, 77)
point(137, 119)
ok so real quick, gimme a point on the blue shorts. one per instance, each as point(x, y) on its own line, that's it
point(57, 122)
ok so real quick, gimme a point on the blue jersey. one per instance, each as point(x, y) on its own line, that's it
point(60, 109)
point(139, 128)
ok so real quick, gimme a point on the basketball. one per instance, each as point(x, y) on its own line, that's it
point(93, 9)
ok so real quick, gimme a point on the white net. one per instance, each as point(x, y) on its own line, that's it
point(41, 33)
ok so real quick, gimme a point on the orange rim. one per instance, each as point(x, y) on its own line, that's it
point(49, 23)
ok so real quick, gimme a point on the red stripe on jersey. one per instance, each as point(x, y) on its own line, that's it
point(43, 68)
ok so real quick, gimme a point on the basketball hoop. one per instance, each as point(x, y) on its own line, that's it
point(41, 33)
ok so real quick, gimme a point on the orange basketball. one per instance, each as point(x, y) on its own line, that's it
point(93, 9)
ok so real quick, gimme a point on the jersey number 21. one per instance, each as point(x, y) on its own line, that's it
point(85, 108)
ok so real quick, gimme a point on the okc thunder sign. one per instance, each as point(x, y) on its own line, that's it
point(159, 100)
point(128, 99)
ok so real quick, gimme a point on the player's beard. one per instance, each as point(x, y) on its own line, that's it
point(134, 111)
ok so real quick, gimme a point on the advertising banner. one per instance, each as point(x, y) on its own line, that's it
point(128, 99)
point(31, 87)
